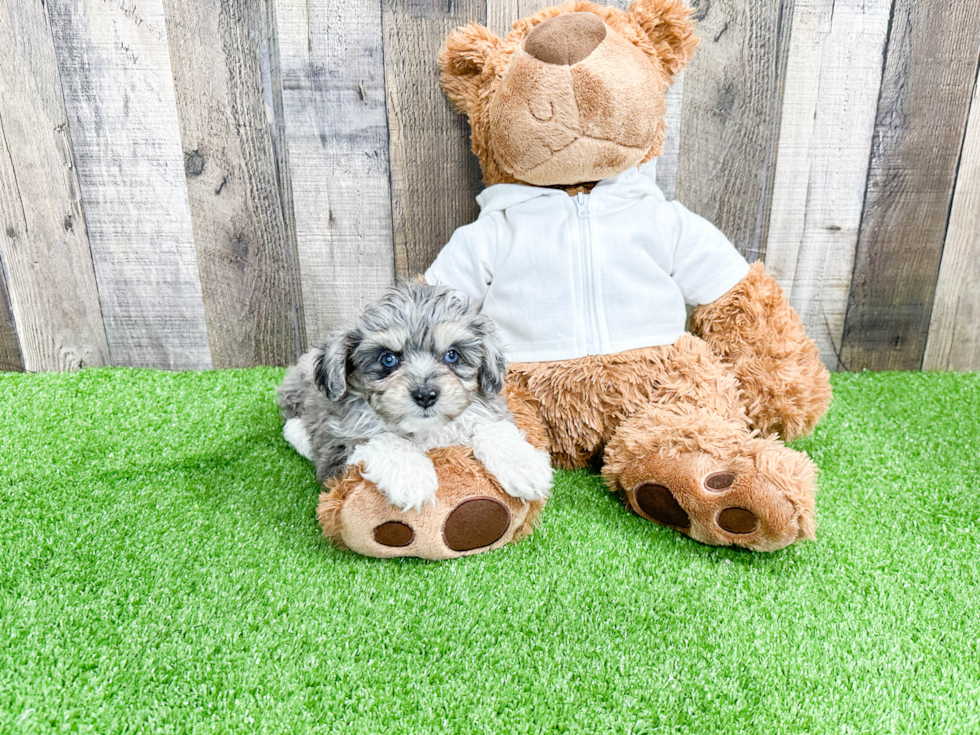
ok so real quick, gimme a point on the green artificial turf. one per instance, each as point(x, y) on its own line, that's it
point(161, 571)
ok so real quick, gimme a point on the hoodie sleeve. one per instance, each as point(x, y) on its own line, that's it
point(706, 265)
point(466, 262)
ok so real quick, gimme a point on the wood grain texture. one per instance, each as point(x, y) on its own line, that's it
point(801, 94)
point(501, 14)
point(930, 72)
point(44, 246)
point(334, 117)
point(434, 176)
point(839, 152)
point(667, 163)
point(247, 261)
point(954, 329)
point(272, 87)
point(119, 95)
point(10, 357)
point(731, 111)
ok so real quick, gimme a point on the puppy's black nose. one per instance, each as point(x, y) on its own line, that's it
point(425, 396)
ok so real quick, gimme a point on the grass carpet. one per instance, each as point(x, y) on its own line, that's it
point(161, 571)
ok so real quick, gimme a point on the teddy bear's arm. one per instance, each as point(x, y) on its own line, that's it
point(756, 331)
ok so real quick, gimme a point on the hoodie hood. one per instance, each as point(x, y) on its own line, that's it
point(632, 183)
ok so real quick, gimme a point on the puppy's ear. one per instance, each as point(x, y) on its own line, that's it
point(330, 368)
point(462, 58)
point(493, 366)
point(668, 25)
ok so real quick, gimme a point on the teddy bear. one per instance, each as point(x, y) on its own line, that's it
point(588, 272)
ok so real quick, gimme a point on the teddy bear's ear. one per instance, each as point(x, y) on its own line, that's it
point(462, 58)
point(668, 25)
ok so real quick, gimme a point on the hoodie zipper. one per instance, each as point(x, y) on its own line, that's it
point(585, 235)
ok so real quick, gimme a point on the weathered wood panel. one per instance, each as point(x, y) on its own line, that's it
point(930, 70)
point(119, 95)
point(10, 357)
point(272, 91)
point(668, 161)
point(253, 172)
point(248, 263)
point(434, 177)
point(333, 98)
point(840, 149)
point(501, 14)
point(801, 94)
point(53, 298)
point(731, 111)
point(954, 329)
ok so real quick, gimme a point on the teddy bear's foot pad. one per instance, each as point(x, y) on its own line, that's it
point(473, 524)
point(395, 534)
point(476, 523)
point(763, 501)
point(660, 505)
point(453, 527)
point(472, 514)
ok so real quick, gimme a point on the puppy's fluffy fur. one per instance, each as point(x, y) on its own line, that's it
point(420, 369)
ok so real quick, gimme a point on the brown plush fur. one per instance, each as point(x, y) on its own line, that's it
point(671, 415)
point(582, 402)
point(754, 329)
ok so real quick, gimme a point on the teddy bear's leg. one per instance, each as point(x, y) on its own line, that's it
point(754, 329)
point(553, 406)
point(699, 468)
point(472, 513)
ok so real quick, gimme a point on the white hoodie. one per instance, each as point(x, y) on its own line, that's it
point(598, 273)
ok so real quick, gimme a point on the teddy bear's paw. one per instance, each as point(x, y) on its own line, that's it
point(762, 499)
point(471, 514)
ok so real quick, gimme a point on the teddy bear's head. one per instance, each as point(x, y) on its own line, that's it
point(573, 94)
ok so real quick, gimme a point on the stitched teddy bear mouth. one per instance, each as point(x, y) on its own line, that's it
point(606, 146)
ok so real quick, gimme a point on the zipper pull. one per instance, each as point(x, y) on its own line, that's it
point(582, 200)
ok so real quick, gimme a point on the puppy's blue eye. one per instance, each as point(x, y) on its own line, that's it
point(389, 359)
point(451, 356)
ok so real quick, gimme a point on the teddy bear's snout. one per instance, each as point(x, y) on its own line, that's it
point(565, 39)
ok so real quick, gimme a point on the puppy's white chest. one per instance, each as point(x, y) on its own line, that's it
point(444, 436)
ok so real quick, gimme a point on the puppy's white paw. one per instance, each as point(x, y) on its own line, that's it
point(411, 490)
point(529, 476)
point(402, 473)
point(295, 433)
point(523, 471)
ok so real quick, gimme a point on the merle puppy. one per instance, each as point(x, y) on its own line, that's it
point(420, 368)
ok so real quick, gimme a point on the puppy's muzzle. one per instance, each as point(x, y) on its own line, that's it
point(425, 395)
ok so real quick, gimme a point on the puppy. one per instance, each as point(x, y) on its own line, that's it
point(421, 368)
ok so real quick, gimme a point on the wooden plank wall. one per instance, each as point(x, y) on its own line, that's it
point(50, 292)
point(189, 184)
point(246, 259)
